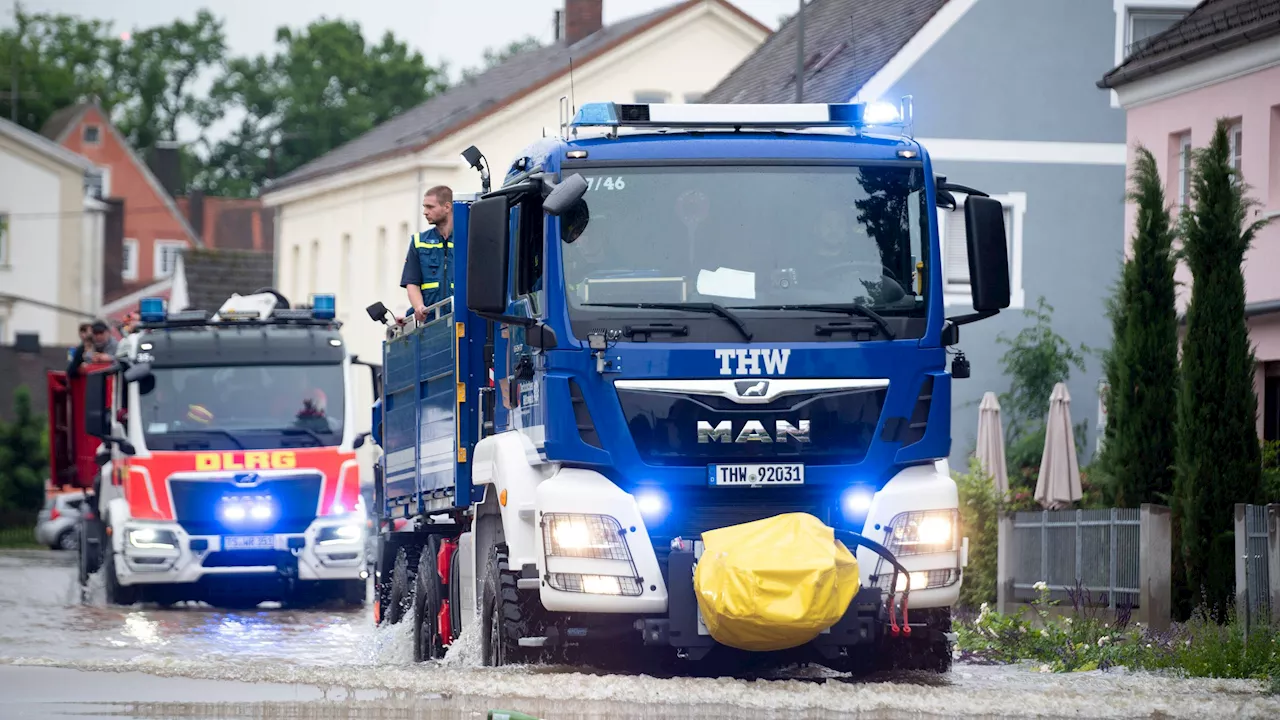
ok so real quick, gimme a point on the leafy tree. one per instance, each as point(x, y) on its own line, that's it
point(59, 60)
point(493, 58)
point(324, 87)
point(1144, 363)
point(24, 454)
point(155, 72)
point(980, 507)
point(1037, 359)
point(1219, 461)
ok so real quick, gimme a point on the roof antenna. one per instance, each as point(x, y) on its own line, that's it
point(573, 103)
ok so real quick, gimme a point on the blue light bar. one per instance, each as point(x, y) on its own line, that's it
point(795, 115)
point(151, 309)
point(323, 307)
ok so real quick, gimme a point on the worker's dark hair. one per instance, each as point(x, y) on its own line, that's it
point(85, 326)
point(442, 194)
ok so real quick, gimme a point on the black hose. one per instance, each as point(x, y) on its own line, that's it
point(850, 537)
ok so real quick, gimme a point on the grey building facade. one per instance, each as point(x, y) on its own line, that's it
point(1005, 101)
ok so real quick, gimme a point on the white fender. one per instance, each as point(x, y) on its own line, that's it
point(921, 487)
point(502, 462)
point(117, 515)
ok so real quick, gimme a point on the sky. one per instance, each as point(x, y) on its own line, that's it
point(453, 31)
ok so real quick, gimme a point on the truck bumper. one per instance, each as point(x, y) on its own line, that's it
point(196, 558)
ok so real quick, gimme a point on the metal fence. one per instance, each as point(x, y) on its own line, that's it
point(1094, 551)
point(1255, 602)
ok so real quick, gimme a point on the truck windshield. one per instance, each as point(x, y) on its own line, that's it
point(243, 407)
point(749, 237)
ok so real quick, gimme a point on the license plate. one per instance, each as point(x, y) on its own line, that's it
point(752, 474)
point(249, 542)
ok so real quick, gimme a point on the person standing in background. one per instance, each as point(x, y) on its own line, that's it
point(428, 266)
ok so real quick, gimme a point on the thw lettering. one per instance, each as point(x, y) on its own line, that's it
point(753, 361)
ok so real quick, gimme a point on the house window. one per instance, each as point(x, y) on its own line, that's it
point(1235, 141)
point(166, 257)
point(97, 184)
point(344, 283)
point(1184, 168)
point(91, 134)
point(381, 268)
point(955, 249)
point(1146, 23)
point(313, 277)
point(651, 96)
point(295, 272)
point(4, 239)
point(129, 264)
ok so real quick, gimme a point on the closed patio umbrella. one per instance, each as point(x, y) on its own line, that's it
point(1059, 483)
point(990, 450)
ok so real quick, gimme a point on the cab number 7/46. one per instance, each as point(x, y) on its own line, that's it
point(606, 183)
point(751, 474)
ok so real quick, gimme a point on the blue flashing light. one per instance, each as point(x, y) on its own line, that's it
point(151, 309)
point(323, 307)
point(596, 114)
point(652, 504)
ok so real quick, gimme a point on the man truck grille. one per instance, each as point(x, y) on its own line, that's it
point(295, 499)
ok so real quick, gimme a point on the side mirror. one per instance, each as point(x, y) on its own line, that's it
point(137, 372)
point(359, 441)
point(988, 253)
point(97, 406)
point(564, 195)
point(378, 312)
point(487, 256)
point(102, 457)
point(125, 446)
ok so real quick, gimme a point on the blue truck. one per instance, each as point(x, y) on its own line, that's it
point(668, 320)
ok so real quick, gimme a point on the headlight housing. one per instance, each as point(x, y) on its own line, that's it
point(349, 533)
point(152, 539)
point(921, 532)
point(596, 537)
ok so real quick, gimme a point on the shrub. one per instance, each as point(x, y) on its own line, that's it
point(979, 521)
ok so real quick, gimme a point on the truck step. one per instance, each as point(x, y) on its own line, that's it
point(533, 641)
point(527, 583)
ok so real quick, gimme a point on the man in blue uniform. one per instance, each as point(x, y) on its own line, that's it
point(428, 266)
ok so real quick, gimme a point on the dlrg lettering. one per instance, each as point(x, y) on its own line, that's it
point(274, 460)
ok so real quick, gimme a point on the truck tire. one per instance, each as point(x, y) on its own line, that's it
point(353, 592)
point(401, 588)
point(67, 540)
point(427, 643)
point(503, 617)
point(117, 594)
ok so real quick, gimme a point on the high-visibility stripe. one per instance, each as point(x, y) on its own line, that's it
point(430, 286)
point(418, 243)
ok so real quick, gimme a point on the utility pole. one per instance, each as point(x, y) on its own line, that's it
point(800, 54)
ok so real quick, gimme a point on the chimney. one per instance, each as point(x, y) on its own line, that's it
point(581, 18)
point(166, 165)
point(113, 250)
point(195, 215)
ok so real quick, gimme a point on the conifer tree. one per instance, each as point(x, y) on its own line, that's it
point(1218, 456)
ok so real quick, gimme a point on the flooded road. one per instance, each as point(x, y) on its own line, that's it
point(61, 657)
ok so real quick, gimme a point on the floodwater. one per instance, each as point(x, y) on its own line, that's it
point(61, 657)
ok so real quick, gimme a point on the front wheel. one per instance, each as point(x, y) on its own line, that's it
point(504, 618)
point(68, 540)
point(401, 588)
point(117, 594)
point(353, 592)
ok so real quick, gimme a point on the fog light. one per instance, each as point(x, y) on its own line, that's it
point(652, 504)
point(152, 539)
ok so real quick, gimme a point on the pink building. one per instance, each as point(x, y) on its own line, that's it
point(1220, 60)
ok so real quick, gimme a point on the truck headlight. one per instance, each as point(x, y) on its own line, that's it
point(340, 534)
point(921, 532)
point(152, 539)
point(597, 537)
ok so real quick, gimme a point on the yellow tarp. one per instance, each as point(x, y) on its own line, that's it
point(773, 584)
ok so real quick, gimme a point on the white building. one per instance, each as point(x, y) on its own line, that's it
point(51, 238)
point(344, 220)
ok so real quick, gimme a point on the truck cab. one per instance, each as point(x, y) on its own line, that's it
point(700, 317)
point(227, 458)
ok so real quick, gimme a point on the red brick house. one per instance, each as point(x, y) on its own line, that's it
point(155, 230)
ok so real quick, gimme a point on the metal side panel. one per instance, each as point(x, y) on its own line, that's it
point(436, 402)
point(467, 591)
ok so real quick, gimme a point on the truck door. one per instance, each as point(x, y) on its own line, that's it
point(520, 365)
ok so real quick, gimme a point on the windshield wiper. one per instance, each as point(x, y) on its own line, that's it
point(844, 308)
point(705, 307)
point(216, 431)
